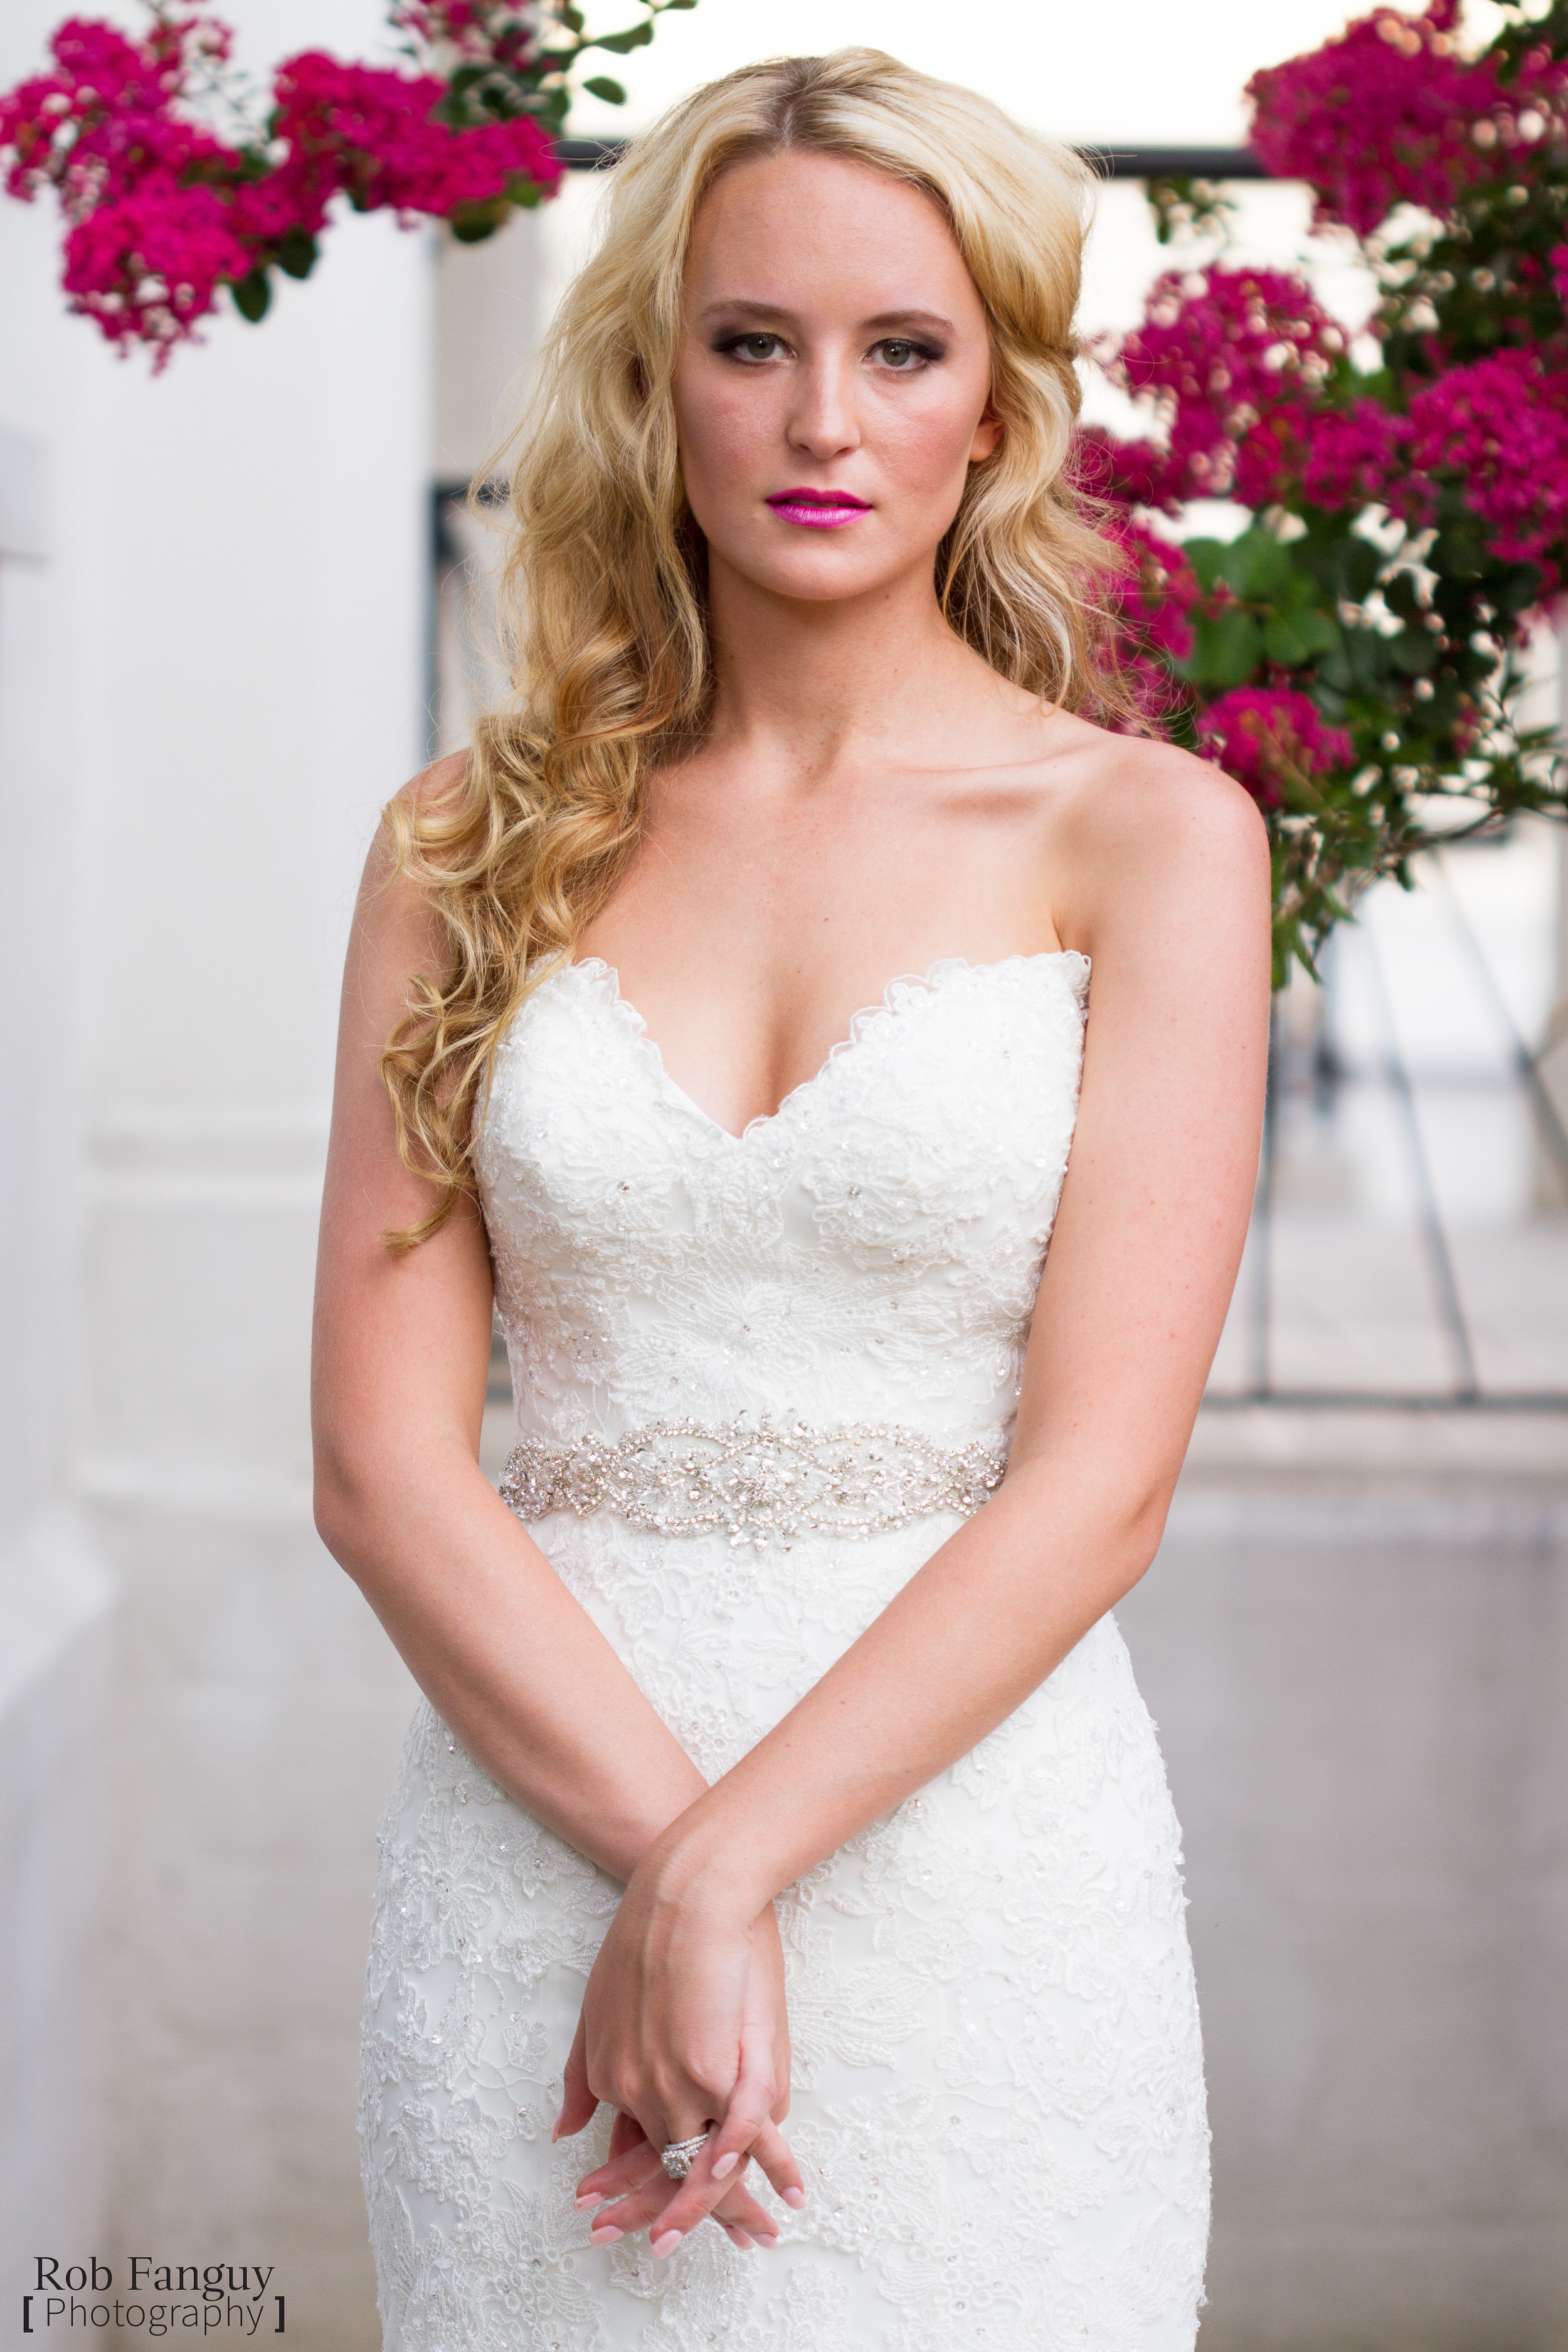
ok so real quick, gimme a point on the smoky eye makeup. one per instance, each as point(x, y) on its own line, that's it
point(902, 354)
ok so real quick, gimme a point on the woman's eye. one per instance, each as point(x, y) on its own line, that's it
point(752, 347)
point(905, 358)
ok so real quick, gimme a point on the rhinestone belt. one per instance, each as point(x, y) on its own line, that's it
point(753, 1479)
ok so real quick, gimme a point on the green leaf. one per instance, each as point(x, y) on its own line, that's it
point(1205, 556)
point(1282, 642)
point(1415, 651)
point(297, 253)
point(621, 45)
point(252, 294)
point(1226, 649)
point(1257, 566)
point(573, 18)
point(602, 86)
point(1358, 564)
point(1319, 632)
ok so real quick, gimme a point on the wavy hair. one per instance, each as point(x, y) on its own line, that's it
point(602, 599)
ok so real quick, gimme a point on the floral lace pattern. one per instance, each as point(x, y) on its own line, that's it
point(998, 2099)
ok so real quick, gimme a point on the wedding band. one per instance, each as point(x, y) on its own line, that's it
point(680, 2156)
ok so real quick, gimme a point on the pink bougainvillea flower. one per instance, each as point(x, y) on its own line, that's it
point(1127, 473)
point(1340, 459)
point(1387, 114)
point(482, 31)
point(147, 266)
point(1269, 737)
point(1149, 605)
point(162, 214)
point(1218, 350)
point(1498, 430)
point(376, 132)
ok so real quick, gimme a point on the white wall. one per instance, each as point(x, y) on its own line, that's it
point(211, 683)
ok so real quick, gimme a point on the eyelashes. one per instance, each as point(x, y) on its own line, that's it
point(743, 347)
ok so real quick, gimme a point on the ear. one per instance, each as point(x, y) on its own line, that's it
point(987, 436)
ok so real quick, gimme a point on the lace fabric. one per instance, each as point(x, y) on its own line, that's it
point(998, 2096)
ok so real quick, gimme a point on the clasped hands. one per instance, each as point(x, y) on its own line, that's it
point(683, 2024)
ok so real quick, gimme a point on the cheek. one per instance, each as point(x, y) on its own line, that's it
point(722, 429)
point(925, 442)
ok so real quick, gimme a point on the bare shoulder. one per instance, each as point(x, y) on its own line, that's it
point(1121, 791)
point(1136, 823)
point(441, 782)
point(393, 922)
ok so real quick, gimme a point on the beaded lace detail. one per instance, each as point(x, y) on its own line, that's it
point(997, 2093)
point(753, 1480)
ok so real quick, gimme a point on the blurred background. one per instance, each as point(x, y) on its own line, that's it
point(237, 610)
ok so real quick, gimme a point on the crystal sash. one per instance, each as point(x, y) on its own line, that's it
point(754, 1479)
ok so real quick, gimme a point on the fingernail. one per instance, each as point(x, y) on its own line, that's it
point(767, 2237)
point(664, 2247)
point(555, 2127)
point(604, 2235)
point(795, 2197)
point(726, 2165)
point(586, 2204)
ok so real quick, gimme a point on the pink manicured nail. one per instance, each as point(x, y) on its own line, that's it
point(604, 2235)
point(664, 2247)
point(726, 2165)
point(586, 2204)
point(795, 2197)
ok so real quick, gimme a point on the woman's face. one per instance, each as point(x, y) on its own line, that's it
point(833, 383)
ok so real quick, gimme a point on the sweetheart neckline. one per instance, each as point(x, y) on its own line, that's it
point(930, 980)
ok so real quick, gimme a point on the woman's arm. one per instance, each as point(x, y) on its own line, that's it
point(1173, 906)
point(509, 1659)
point(505, 1654)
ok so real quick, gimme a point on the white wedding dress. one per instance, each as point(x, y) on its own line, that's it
point(728, 1353)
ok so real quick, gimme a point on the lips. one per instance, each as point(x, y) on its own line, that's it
point(818, 509)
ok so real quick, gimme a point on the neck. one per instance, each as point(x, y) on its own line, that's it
point(809, 687)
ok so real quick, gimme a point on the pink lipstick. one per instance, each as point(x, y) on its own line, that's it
point(818, 509)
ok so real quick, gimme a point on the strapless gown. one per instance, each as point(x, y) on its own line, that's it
point(998, 2098)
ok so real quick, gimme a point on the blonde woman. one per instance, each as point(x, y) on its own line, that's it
point(780, 1753)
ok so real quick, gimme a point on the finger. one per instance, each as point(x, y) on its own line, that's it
point(578, 2107)
point(741, 2132)
point(619, 2176)
point(771, 2151)
point(739, 2209)
point(640, 2208)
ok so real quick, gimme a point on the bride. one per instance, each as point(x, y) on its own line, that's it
point(779, 1753)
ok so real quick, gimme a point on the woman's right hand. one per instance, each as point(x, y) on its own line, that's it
point(631, 2192)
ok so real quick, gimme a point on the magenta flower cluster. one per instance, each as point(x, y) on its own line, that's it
point(1498, 429)
point(483, 32)
point(1271, 739)
point(1393, 114)
point(162, 214)
point(1219, 350)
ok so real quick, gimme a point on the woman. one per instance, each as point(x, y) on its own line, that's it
point(756, 1749)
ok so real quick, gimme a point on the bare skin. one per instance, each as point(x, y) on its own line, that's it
point(871, 798)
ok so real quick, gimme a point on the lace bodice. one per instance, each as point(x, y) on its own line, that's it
point(869, 1251)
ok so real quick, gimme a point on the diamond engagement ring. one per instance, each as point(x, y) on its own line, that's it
point(680, 2156)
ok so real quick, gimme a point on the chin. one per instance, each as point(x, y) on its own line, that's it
point(816, 575)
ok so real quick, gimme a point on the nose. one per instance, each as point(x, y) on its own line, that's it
point(823, 422)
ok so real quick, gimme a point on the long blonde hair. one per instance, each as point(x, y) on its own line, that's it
point(602, 600)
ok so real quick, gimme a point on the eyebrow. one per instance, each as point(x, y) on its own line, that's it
point(771, 311)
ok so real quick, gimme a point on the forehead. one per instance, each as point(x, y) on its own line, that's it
point(774, 228)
